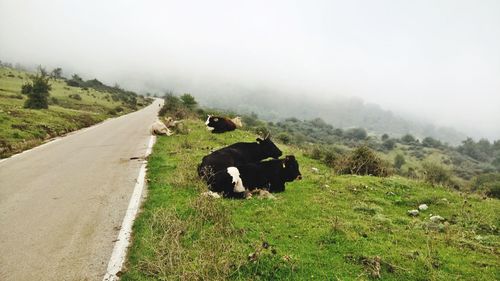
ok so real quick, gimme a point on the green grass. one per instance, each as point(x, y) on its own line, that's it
point(324, 227)
point(22, 128)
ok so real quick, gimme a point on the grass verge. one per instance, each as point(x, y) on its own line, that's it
point(324, 227)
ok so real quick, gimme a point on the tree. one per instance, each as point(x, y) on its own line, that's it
point(385, 137)
point(188, 101)
point(56, 73)
point(356, 133)
point(389, 144)
point(408, 139)
point(431, 142)
point(37, 90)
point(75, 81)
point(399, 161)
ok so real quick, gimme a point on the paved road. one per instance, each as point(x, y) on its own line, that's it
point(61, 205)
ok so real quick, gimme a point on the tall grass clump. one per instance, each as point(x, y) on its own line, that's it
point(363, 161)
point(434, 173)
point(199, 243)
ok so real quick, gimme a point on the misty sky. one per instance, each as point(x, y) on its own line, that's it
point(439, 60)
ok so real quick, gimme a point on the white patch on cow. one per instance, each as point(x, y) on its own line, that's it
point(206, 123)
point(238, 183)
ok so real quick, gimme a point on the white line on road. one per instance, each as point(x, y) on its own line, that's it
point(120, 250)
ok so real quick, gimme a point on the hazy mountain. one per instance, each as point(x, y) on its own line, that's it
point(342, 112)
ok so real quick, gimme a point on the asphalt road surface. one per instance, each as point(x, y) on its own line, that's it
point(61, 204)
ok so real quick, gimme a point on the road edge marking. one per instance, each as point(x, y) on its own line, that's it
point(123, 241)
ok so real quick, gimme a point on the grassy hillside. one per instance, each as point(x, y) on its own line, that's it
point(71, 108)
point(324, 227)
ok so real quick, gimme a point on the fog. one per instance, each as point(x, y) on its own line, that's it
point(434, 60)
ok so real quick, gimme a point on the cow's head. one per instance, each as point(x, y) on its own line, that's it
point(211, 122)
point(291, 168)
point(268, 148)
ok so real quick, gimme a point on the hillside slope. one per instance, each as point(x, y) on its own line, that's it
point(70, 108)
point(324, 227)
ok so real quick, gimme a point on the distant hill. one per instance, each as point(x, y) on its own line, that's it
point(340, 112)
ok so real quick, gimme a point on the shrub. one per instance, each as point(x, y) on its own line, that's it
point(315, 153)
point(284, 138)
point(37, 91)
point(399, 161)
point(488, 184)
point(75, 96)
point(330, 157)
point(188, 101)
point(389, 144)
point(250, 120)
point(356, 134)
point(363, 161)
point(436, 174)
point(172, 103)
point(430, 142)
point(408, 139)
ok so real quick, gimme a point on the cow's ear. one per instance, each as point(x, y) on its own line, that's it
point(259, 140)
point(216, 119)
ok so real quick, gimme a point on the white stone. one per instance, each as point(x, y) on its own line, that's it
point(413, 213)
point(423, 207)
point(211, 194)
point(437, 219)
point(316, 170)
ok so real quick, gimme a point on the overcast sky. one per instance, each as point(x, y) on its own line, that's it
point(436, 59)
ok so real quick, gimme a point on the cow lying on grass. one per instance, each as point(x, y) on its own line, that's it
point(218, 125)
point(158, 128)
point(234, 182)
point(237, 154)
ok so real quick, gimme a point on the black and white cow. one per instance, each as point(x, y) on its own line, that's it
point(270, 175)
point(218, 125)
point(238, 154)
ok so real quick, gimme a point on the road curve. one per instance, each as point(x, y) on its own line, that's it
point(61, 204)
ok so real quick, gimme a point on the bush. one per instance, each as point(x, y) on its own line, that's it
point(408, 139)
point(188, 101)
point(488, 184)
point(356, 134)
point(172, 103)
point(75, 96)
point(37, 91)
point(389, 144)
point(430, 142)
point(315, 153)
point(399, 161)
point(330, 157)
point(363, 161)
point(284, 138)
point(436, 174)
